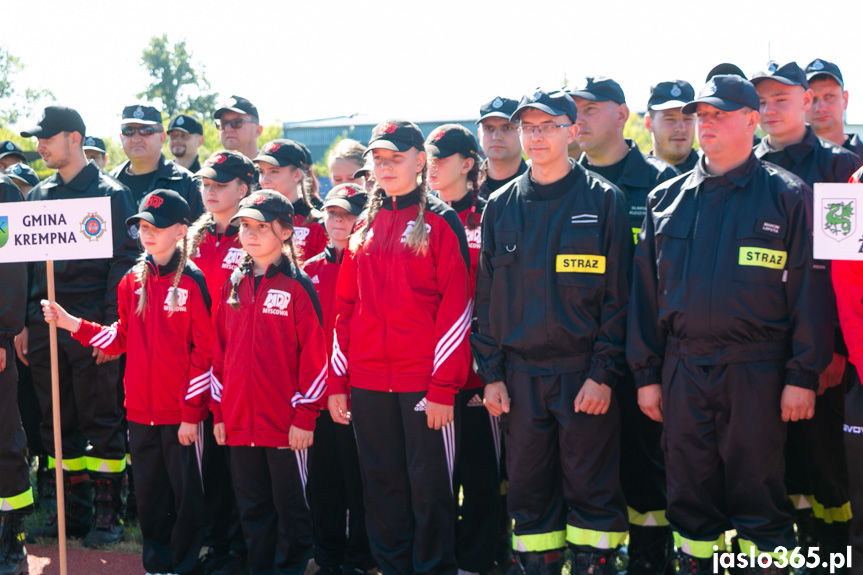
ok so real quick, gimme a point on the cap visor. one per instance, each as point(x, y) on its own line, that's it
point(39, 132)
point(273, 161)
point(438, 152)
point(218, 113)
point(811, 75)
point(387, 145)
point(127, 121)
point(541, 107)
point(176, 129)
point(94, 148)
point(493, 115)
point(669, 105)
point(718, 103)
point(253, 214)
point(7, 154)
point(148, 217)
point(782, 80)
point(362, 173)
point(588, 96)
point(343, 204)
point(211, 174)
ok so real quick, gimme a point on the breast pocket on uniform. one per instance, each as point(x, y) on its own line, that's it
point(579, 261)
point(505, 249)
point(672, 241)
point(761, 253)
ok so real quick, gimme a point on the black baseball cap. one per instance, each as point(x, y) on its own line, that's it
point(558, 103)
point(669, 95)
point(225, 165)
point(56, 119)
point(500, 107)
point(281, 153)
point(789, 74)
point(599, 89)
point(449, 139)
point(163, 209)
point(368, 168)
point(22, 173)
point(144, 115)
point(265, 206)
point(307, 153)
point(185, 123)
point(95, 144)
point(239, 105)
point(396, 135)
point(725, 69)
point(10, 148)
point(726, 92)
point(819, 67)
point(349, 197)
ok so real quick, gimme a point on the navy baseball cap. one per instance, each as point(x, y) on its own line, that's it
point(599, 89)
point(22, 173)
point(265, 206)
point(144, 115)
point(10, 148)
point(186, 123)
point(95, 144)
point(669, 95)
point(725, 69)
point(396, 135)
point(368, 168)
point(307, 153)
point(282, 153)
point(498, 108)
point(558, 103)
point(449, 139)
point(789, 74)
point(239, 105)
point(163, 209)
point(349, 197)
point(56, 119)
point(225, 165)
point(819, 67)
point(726, 92)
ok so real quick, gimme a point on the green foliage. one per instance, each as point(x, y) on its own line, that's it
point(176, 83)
point(27, 145)
point(14, 104)
point(636, 131)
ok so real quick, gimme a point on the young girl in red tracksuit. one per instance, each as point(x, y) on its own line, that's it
point(214, 246)
point(165, 330)
point(404, 314)
point(269, 383)
point(335, 484)
point(454, 173)
point(282, 164)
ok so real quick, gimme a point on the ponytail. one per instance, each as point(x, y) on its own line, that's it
point(142, 271)
point(473, 179)
point(236, 277)
point(178, 275)
point(196, 234)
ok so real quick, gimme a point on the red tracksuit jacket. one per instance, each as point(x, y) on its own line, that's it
point(310, 237)
point(168, 357)
point(269, 359)
point(403, 319)
point(848, 284)
point(218, 256)
point(323, 270)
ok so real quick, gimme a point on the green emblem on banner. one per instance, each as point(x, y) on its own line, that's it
point(4, 230)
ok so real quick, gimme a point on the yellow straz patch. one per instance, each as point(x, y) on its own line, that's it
point(584, 264)
point(635, 232)
point(762, 257)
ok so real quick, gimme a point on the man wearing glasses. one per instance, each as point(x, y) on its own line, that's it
point(500, 145)
point(239, 126)
point(602, 115)
point(552, 287)
point(142, 136)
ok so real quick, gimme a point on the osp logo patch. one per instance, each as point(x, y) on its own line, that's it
point(300, 234)
point(410, 228)
point(233, 258)
point(840, 218)
point(276, 302)
point(4, 230)
point(182, 298)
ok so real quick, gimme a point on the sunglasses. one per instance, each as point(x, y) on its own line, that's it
point(235, 123)
point(143, 130)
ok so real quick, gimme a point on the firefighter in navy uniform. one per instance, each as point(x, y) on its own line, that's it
point(602, 114)
point(88, 378)
point(729, 327)
point(827, 115)
point(551, 299)
point(16, 496)
point(499, 140)
point(672, 131)
point(815, 467)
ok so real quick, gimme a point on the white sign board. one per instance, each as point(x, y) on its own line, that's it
point(56, 230)
point(838, 226)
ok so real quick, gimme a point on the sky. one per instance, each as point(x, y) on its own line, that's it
point(442, 58)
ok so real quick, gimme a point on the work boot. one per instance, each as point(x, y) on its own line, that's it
point(79, 510)
point(46, 485)
point(650, 551)
point(592, 561)
point(108, 499)
point(541, 563)
point(689, 565)
point(13, 555)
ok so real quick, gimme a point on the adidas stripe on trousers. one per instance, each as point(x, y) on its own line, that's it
point(407, 476)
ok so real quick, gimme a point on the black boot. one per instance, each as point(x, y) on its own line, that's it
point(650, 550)
point(108, 525)
point(689, 565)
point(78, 501)
point(46, 485)
point(13, 555)
point(543, 563)
point(592, 561)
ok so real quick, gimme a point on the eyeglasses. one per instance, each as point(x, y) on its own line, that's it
point(143, 130)
point(543, 129)
point(235, 123)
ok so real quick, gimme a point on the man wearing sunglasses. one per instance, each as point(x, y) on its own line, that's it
point(142, 136)
point(551, 292)
point(239, 126)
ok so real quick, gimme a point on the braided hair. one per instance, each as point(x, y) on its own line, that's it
point(142, 273)
point(197, 233)
point(245, 266)
point(473, 179)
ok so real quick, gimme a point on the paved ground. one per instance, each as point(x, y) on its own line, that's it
point(45, 560)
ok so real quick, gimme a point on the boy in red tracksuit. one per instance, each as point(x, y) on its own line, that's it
point(335, 485)
point(404, 313)
point(166, 332)
point(269, 383)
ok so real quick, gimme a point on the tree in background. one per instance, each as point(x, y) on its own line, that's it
point(176, 83)
point(16, 105)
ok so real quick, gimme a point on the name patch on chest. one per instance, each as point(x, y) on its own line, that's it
point(762, 257)
point(583, 264)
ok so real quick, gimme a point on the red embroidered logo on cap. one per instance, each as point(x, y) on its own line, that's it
point(219, 159)
point(258, 199)
point(387, 128)
point(438, 134)
point(350, 192)
point(271, 147)
point(153, 202)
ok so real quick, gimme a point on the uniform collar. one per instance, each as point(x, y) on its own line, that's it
point(231, 230)
point(463, 204)
point(166, 270)
point(402, 202)
point(636, 172)
point(738, 177)
point(797, 152)
point(282, 267)
point(332, 255)
point(301, 208)
point(79, 183)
